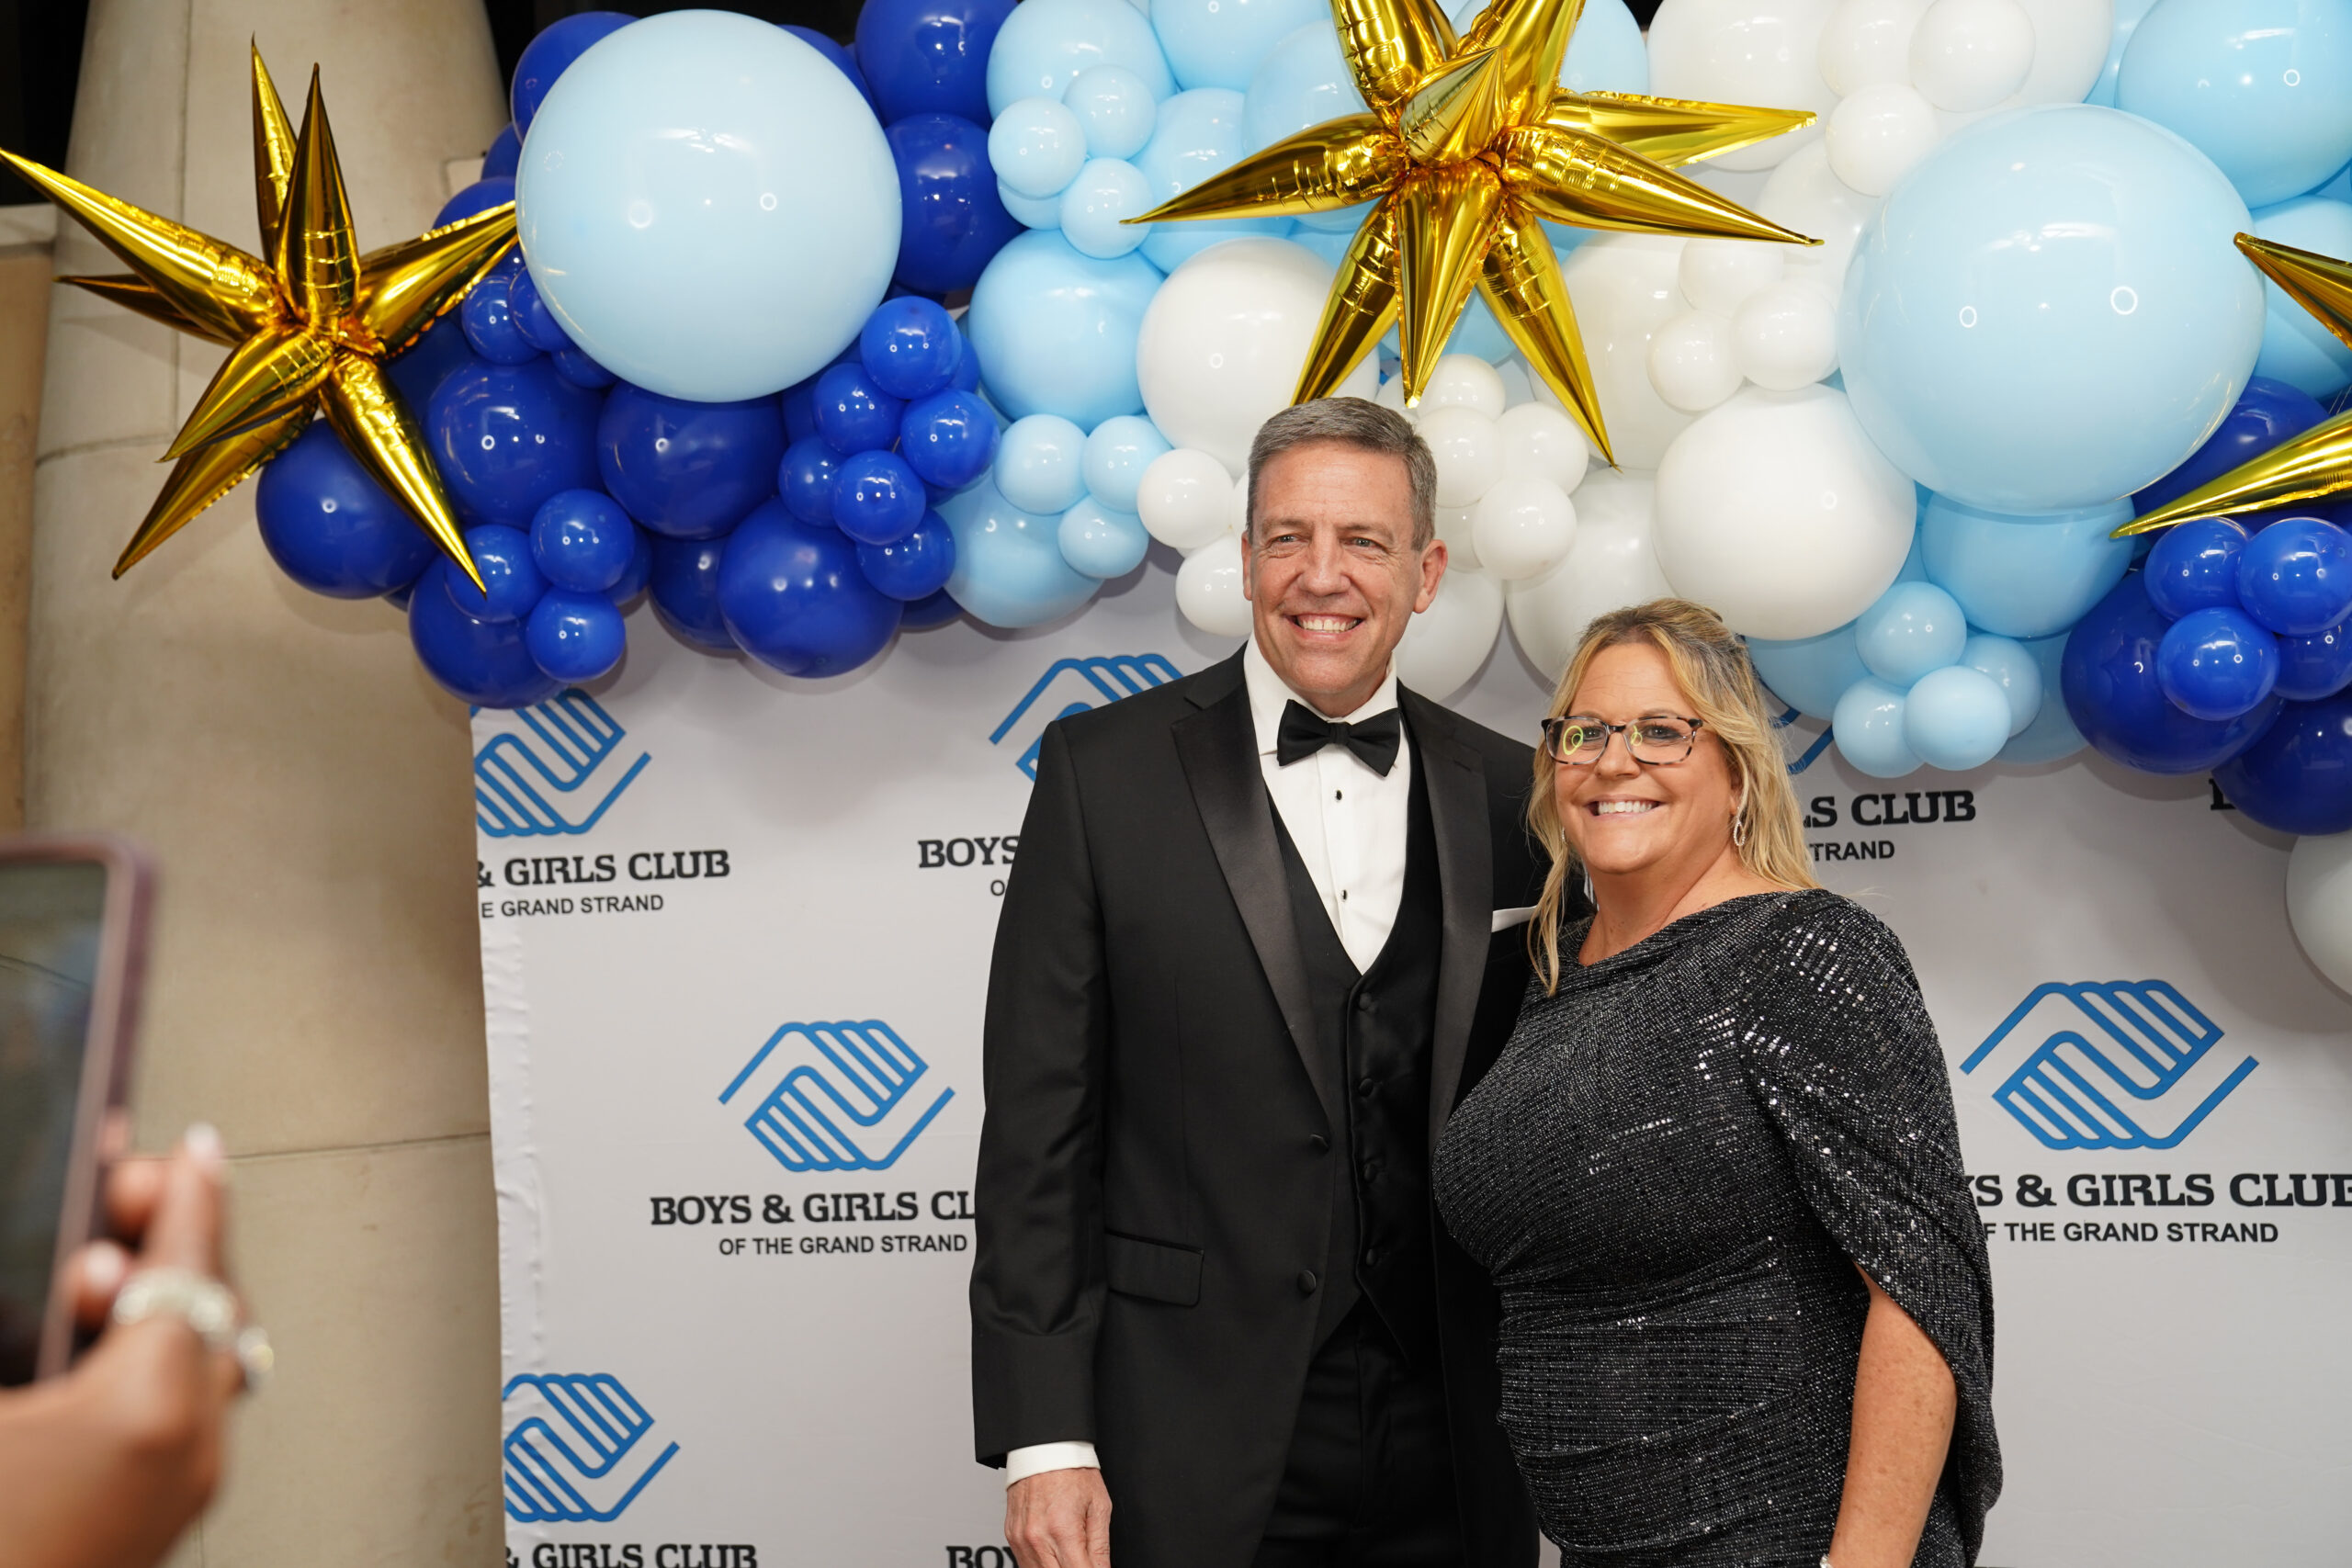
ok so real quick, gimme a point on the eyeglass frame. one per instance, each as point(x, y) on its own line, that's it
point(1551, 726)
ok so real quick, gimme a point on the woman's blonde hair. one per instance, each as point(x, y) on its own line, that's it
point(1711, 665)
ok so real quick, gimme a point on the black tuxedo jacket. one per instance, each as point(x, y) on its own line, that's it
point(1155, 1176)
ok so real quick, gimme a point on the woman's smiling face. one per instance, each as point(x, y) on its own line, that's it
point(1622, 817)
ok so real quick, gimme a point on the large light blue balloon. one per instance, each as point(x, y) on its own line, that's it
point(1197, 134)
point(2128, 14)
point(1008, 565)
point(1811, 673)
point(2263, 87)
point(2024, 576)
point(1303, 81)
point(1045, 43)
point(1056, 331)
point(2051, 735)
point(1220, 44)
point(2048, 312)
point(2295, 348)
point(708, 206)
point(1606, 54)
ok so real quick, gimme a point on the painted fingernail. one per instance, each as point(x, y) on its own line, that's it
point(103, 1266)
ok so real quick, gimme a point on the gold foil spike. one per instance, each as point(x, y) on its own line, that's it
point(317, 255)
point(2302, 468)
point(2321, 285)
point(274, 145)
point(1445, 220)
point(262, 378)
point(1671, 131)
point(1521, 284)
point(1531, 36)
point(1390, 46)
point(1572, 177)
point(134, 293)
point(205, 476)
point(403, 287)
point(1324, 167)
point(385, 438)
point(1456, 111)
point(1359, 311)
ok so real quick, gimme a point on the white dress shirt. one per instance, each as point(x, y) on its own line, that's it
point(1349, 825)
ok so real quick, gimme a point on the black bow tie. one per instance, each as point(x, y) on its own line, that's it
point(1305, 732)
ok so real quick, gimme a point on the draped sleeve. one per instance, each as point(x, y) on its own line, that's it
point(1838, 1047)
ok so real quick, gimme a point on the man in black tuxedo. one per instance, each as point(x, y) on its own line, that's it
point(1265, 931)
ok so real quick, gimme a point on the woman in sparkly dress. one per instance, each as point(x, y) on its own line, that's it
point(1746, 1318)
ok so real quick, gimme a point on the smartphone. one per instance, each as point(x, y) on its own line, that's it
point(73, 946)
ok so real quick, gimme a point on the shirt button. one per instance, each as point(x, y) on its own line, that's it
point(1363, 1001)
point(1371, 1169)
point(1367, 1088)
point(1371, 1257)
point(1319, 1144)
point(1308, 1281)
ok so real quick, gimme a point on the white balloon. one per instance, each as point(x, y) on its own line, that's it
point(1447, 643)
point(1185, 499)
point(1970, 54)
point(2070, 38)
point(1624, 288)
point(1469, 451)
point(1806, 194)
point(1786, 337)
point(1877, 134)
point(1865, 42)
point(1777, 512)
point(1610, 566)
point(1465, 382)
point(1454, 526)
point(1208, 589)
point(1719, 274)
point(1690, 361)
point(1225, 338)
point(2319, 904)
point(1392, 396)
point(1744, 52)
point(1524, 526)
point(1517, 386)
point(1541, 441)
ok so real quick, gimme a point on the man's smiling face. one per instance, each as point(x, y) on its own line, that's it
point(1330, 570)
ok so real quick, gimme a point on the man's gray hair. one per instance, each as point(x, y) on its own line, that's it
point(1368, 427)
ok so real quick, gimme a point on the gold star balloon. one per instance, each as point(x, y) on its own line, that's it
point(1468, 146)
point(2302, 468)
point(309, 324)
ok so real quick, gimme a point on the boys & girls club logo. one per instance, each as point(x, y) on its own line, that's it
point(846, 1096)
point(556, 771)
point(578, 1447)
point(2113, 1064)
point(1074, 685)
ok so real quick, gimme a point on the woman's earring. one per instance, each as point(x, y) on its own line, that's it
point(1588, 885)
point(1739, 826)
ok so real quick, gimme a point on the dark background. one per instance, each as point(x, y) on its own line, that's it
point(40, 56)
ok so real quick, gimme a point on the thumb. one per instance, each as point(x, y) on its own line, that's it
point(185, 1230)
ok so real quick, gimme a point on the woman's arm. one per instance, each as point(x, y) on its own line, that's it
point(1903, 1405)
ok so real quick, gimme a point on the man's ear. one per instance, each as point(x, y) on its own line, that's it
point(1247, 577)
point(1433, 560)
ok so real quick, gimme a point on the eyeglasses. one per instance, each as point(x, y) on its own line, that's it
point(1659, 741)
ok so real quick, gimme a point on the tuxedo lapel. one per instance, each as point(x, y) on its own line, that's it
point(1457, 795)
point(1218, 747)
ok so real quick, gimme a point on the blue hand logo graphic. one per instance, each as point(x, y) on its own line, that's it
point(2121, 1065)
point(1077, 684)
point(845, 1099)
point(551, 779)
point(568, 1449)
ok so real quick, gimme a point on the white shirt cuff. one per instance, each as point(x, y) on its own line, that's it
point(1039, 1458)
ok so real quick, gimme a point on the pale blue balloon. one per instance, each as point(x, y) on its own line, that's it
point(1220, 44)
point(1475, 332)
point(1115, 455)
point(1868, 722)
point(1955, 718)
point(1056, 331)
point(1045, 44)
point(1115, 108)
point(1036, 146)
point(2010, 665)
point(1198, 133)
point(1037, 464)
point(1303, 81)
point(2127, 17)
point(708, 206)
point(2263, 87)
point(1100, 541)
point(1009, 566)
point(1606, 54)
point(1332, 248)
point(2295, 348)
point(1033, 212)
point(2048, 311)
point(2028, 576)
point(1811, 673)
point(1913, 628)
point(1095, 208)
point(2051, 735)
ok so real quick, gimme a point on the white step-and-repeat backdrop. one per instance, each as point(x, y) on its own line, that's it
point(735, 940)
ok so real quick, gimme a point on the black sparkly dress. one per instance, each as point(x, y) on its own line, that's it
point(1671, 1172)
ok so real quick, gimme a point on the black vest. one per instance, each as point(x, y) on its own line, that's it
point(1375, 1031)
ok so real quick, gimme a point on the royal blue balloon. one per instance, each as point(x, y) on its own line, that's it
point(2113, 694)
point(2316, 666)
point(915, 567)
point(2065, 372)
point(929, 56)
point(1810, 674)
point(2195, 565)
point(580, 370)
point(2295, 577)
point(1045, 44)
point(575, 636)
point(2298, 777)
point(2263, 87)
point(583, 541)
point(968, 364)
point(854, 414)
point(1100, 541)
point(795, 598)
point(641, 567)
point(910, 346)
point(330, 527)
point(877, 500)
point(419, 369)
point(505, 152)
point(1008, 565)
point(491, 190)
point(547, 56)
point(511, 579)
point(491, 327)
point(2023, 575)
point(2266, 413)
point(2216, 664)
point(689, 470)
point(532, 318)
point(948, 438)
point(952, 222)
point(1956, 718)
point(1116, 452)
point(805, 478)
point(505, 437)
point(2051, 735)
point(1056, 331)
point(684, 580)
point(1195, 134)
point(1913, 628)
point(481, 662)
point(800, 411)
point(2297, 347)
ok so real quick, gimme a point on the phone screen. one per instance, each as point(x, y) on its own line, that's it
point(51, 915)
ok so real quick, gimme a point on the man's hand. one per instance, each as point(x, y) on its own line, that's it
point(1059, 1519)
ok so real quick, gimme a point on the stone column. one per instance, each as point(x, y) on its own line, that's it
point(315, 989)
